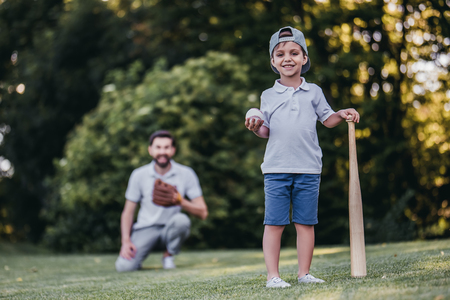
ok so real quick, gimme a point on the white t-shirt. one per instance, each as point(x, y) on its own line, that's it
point(140, 189)
point(292, 115)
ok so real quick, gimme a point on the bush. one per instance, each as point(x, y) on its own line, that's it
point(203, 103)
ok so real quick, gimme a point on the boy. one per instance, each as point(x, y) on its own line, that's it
point(293, 159)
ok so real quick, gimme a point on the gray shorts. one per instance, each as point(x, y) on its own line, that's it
point(170, 236)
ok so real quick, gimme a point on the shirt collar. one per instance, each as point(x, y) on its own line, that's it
point(279, 88)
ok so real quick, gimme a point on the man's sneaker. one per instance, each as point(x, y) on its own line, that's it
point(308, 278)
point(277, 282)
point(168, 262)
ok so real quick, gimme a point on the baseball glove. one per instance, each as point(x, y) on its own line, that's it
point(165, 194)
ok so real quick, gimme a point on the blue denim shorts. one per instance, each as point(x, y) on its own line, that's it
point(282, 189)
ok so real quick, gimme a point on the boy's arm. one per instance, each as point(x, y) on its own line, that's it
point(257, 127)
point(341, 115)
point(263, 132)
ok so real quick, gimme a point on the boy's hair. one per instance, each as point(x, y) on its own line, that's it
point(289, 34)
point(162, 134)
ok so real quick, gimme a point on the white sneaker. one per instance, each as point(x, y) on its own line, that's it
point(308, 278)
point(168, 262)
point(277, 282)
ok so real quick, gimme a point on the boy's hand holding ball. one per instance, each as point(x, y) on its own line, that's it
point(254, 119)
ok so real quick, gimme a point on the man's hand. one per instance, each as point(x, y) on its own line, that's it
point(253, 124)
point(128, 250)
point(165, 194)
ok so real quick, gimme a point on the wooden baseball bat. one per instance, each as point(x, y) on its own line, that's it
point(357, 246)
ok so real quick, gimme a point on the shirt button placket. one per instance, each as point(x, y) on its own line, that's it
point(294, 101)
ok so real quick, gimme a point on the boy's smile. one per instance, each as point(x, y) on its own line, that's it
point(288, 58)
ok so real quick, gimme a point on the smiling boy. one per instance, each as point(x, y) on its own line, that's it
point(293, 158)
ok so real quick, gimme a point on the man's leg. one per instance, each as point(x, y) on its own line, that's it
point(145, 240)
point(175, 233)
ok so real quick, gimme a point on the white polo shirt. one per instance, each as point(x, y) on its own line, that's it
point(140, 189)
point(292, 115)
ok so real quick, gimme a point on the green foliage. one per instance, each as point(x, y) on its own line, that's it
point(60, 56)
point(203, 103)
point(26, 115)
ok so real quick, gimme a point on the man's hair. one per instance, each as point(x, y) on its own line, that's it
point(162, 134)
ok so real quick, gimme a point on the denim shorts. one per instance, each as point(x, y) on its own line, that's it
point(283, 189)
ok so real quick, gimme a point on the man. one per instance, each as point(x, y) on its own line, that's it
point(161, 188)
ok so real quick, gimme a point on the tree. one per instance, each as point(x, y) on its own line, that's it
point(371, 55)
point(54, 58)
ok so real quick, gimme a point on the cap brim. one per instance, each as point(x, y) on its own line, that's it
point(306, 67)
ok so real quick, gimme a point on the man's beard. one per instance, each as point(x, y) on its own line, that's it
point(165, 164)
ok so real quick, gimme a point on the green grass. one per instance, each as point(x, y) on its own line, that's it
point(412, 270)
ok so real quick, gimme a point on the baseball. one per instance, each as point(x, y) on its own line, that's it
point(254, 113)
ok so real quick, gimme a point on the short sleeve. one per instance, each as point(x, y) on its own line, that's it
point(193, 188)
point(133, 192)
point(323, 109)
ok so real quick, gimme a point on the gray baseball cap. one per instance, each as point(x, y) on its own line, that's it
point(297, 37)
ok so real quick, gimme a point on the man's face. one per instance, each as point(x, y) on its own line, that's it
point(162, 151)
point(288, 59)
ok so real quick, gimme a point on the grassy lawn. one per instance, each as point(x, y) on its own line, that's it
point(412, 270)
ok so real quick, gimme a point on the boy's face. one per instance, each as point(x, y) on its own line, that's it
point(288, 58)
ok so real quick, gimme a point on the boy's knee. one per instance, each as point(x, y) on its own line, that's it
point(123, 265)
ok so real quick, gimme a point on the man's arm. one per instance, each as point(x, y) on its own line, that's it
point(196, 207)
point(128, 249)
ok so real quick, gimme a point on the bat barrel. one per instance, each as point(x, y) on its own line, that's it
point(357, 244)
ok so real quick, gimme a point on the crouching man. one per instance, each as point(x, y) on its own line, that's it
point(160, 188)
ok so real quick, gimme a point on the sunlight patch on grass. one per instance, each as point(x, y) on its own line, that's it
point(237, 270)
point(325, 251)
point(290, 262)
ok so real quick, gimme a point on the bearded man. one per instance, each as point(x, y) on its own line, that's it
point(162, 188)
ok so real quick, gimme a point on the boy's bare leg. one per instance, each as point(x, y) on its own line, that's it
point(271, 249)
point(305, 248)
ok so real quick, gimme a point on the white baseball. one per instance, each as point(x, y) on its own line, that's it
point(254, 113)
